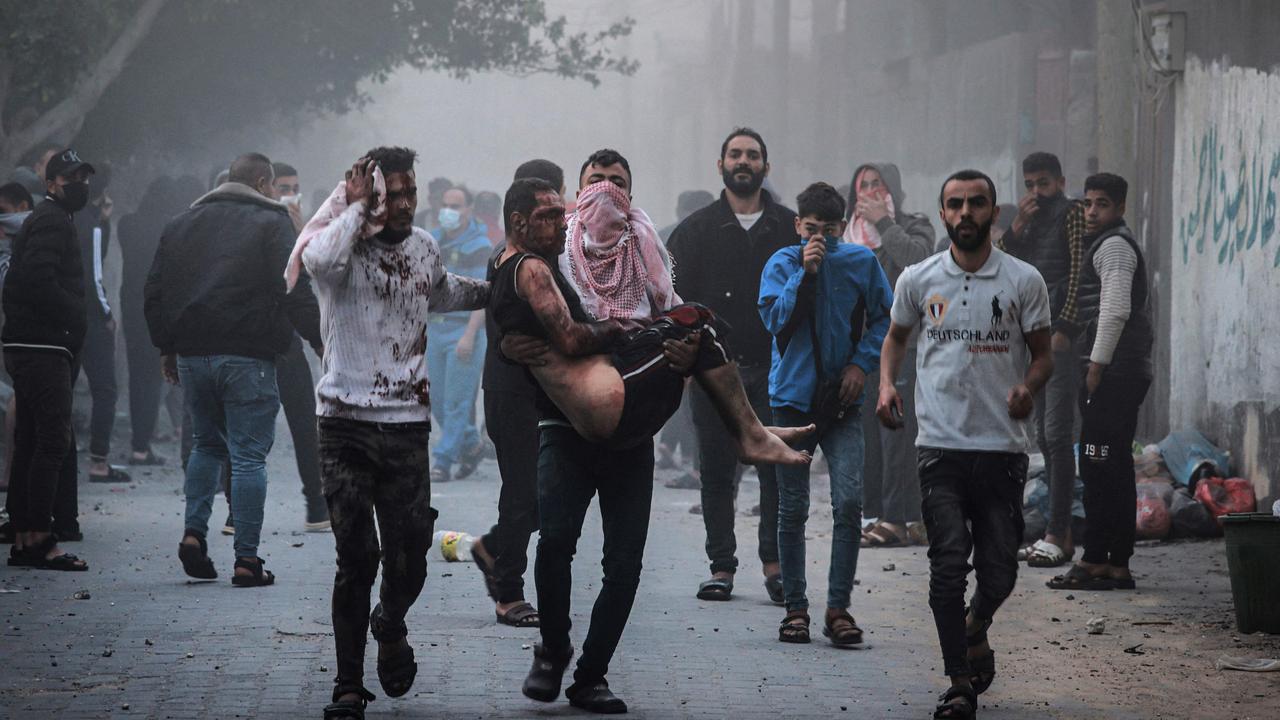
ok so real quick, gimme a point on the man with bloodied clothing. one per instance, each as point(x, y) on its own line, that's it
point(376, 277)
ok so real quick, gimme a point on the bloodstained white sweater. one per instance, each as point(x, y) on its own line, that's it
point(374, 298)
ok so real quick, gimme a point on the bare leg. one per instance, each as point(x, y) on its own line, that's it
point(756, 443)
point(588, 390)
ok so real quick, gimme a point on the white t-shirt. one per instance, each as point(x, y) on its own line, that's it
point(748, 219)
point(970, 350)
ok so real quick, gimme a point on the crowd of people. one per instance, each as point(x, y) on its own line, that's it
point(919, 369)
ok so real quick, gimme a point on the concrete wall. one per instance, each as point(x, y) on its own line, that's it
point(1225, 309)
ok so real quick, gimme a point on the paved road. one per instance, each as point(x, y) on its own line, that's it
point(147, 644)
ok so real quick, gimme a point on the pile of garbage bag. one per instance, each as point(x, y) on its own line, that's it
point(1183, 483)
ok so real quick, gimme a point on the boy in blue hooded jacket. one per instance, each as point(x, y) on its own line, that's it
point(827, 305)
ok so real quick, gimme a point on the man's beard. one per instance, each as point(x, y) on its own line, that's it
point(979, 237)
point(394, 236)
point(742, 188)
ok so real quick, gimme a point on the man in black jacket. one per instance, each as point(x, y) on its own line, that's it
point(98, 359)
point(719, 253)
point(217, 308)
point(43, 334)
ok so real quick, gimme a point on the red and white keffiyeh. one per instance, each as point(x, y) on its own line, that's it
point(615, 256)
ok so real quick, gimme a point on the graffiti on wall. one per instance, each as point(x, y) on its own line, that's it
point(1233, 208)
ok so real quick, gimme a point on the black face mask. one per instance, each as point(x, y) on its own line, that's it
point(74, 196)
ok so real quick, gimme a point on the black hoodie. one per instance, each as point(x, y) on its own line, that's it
point(44, 307)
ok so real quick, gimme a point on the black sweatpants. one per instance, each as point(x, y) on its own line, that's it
point(99, 360)
point(43, 483)
point(1109, 419)
point(972, 503)
point(512, 423)
point(298, 399)
point(367, 469)
point(145, 384)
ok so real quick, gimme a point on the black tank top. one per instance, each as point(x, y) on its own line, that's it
point(512, 313)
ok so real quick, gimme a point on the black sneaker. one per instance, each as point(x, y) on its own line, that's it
point(317, 517)
point(544, 678)
point(596, 698)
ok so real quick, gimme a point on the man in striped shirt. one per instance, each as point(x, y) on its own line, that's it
point(1114, 304)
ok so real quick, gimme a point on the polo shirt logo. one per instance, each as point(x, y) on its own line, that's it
point(997, 315)
point(937, 309)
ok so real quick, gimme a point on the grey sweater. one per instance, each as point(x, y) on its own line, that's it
point(374, 299)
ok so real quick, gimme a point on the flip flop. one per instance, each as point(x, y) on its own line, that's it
point(1078, 578)
point(523, 615)
point(1044, 554)
point(881, 536)
point(717, 589)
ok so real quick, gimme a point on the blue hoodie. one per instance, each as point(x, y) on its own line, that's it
point(849, 299)
point(467, 254)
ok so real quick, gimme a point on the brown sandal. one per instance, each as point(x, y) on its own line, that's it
point(843, 631)
point(795, 627)
point(881, 536)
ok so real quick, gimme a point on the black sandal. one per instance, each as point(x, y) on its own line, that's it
point(114, 475)
point(844, 636)
point(1077, 578)
point(949, 710)
point(18, 557)
point(66, 562)
point(523, 615)
point(150, 459)
point(795, 627)
point(982, 667)
point(717, 589)
point(396, 673)
point(348, 710)
point(260, 577)
point(195, 560)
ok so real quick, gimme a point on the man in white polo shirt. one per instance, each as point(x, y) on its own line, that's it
point(983, 353)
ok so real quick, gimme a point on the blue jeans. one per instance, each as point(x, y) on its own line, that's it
point(842, 445)
point(454, 384)
point(233, 403)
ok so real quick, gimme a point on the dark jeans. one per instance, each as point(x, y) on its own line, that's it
point(571, 471)
point(972, 504)
point(1055, 434)
point(718, 461)
point(512, 422)
point(891, 489)
point(368, 468)
point(99, 360)
point(679, 433)
point(1109, 421)
point(145, 385)
point(298, 400)
point(43, 482)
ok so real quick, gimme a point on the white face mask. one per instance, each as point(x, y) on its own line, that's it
point(449, 218)
point(11, 223)
point(295, 200)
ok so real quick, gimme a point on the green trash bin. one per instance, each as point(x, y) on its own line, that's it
point(1253, 561)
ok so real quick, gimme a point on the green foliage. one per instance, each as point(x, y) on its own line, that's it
point(216, 65)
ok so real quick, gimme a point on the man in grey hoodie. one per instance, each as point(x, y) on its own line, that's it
point(877, 220)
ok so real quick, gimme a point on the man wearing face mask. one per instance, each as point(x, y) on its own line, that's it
point(220, 314)
point(98, 359)
point(719, 253)
point(293, 375)
point(44, 309)
point(456, 356)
